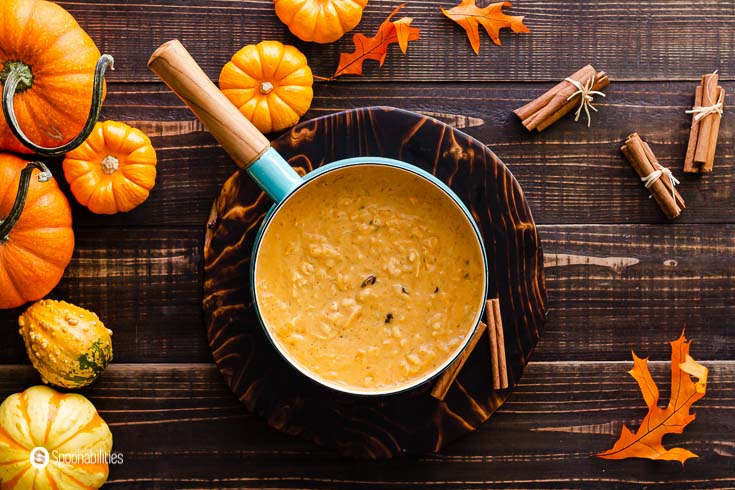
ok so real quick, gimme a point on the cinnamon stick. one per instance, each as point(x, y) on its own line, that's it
point(670, 189)
point(700, 155)
point(709, 97)
point(644, 162)
point(693, 136)
point(494, 306)
point(447, 378)
point(493, 336)
point(709, 162)
point(601, 81)
point(542, 112)
point(535, 105)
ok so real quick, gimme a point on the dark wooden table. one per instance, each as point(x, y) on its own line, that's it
point(619, 276)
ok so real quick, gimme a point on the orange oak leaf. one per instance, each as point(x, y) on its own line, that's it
point(646, 442)
point(376, 48)
point(469, 16)
point(403, 32)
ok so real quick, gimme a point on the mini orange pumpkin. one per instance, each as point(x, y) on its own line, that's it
point(270, 83)
point(114, 170)
point(321, 21)
point(55, 60)
point(36, 238)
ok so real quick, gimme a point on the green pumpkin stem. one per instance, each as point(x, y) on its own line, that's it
point(20, 199)
point(16, 80)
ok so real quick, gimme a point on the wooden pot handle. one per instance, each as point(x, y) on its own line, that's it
point(240, 139)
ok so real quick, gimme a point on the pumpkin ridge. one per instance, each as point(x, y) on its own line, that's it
point(52, 412)
point(239, 62)
point(356, 4)
point(82, 43)
point(23, 405)
point(35, 194)
point(23, 112)
point(52, 481)
point(288, 14)
point(16, 478)
point(317, 23)
point(41, 114)
point(25, 23)
point(15, 461)
point(132, 181)
point(14, 279)
point(277, 99)
point(240, 72)
point(89, 427)
point(77, 161)
point(111, 141)
point(98, 191)
point(8, 439)
point(81, 485)
point(59, 116)
point(276, 83)
point(289, 98)
point(10, 281)
point(33, 253)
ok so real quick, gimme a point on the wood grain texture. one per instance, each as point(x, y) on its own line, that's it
point(146, 285)
point(380, 426)
point(613, 283)
point(660, 34)
point(178, 426)
point(569, 174)
point(610, 292)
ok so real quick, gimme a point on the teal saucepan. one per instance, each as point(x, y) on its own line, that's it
point(293, 193)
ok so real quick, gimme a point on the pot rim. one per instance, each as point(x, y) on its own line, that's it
point(354, 162)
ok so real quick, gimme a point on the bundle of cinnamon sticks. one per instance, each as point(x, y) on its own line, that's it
point(498, 361)
point(544, 111)
point(709, 102)
point(657, 179)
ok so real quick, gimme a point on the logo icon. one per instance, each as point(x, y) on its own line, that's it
point(39, 457)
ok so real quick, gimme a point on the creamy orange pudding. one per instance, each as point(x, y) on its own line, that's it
point(370, 278)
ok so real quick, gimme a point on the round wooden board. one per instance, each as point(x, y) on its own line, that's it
point(374, 427)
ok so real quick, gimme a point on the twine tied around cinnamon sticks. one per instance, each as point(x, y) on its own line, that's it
point(709, 104)
point(586, 94)
point(701, 112)
point(644, 162)
point(660, 171)
point(577, 90)
point(498, 362)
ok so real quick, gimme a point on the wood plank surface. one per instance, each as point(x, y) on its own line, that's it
point(144, 285)
point(611, 288)
point(618, 276)
point(175, 423)
point(569, 174)
point(631, 41)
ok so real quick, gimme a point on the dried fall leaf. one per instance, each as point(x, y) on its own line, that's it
point(376, 48)
point(646, 442)
point(469, 16)
point(403, 32)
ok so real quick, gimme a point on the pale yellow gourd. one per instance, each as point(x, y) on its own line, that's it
point(67, 426)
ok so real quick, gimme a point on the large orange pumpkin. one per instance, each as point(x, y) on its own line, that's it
point(56, 62)
point(36, 238)
point(321, 21)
